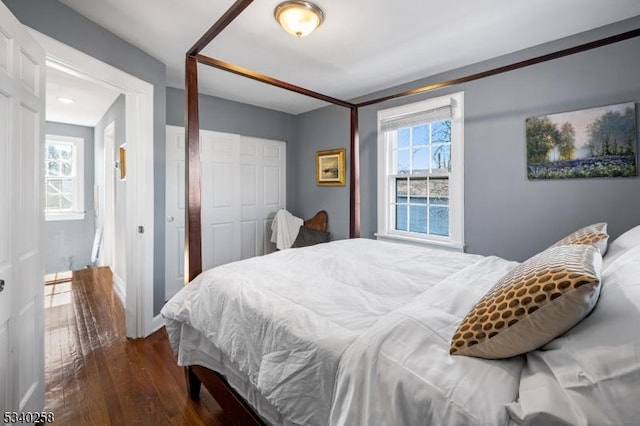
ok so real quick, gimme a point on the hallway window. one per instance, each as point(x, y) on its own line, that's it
point(64, 178)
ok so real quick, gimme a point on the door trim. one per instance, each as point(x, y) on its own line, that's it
point(140, 193)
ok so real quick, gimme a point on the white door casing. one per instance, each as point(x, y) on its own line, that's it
point(108, 220)
point(22, 104)
point(139, 108)
point(243, 187)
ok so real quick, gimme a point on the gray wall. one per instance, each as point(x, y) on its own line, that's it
point(62, 23)
point(222, 115)
point(68, 242)
point(115, 114)
point(505, 214)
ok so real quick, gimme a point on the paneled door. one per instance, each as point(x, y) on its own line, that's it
point(22, 85)
point(175, 211)
point(243, 187)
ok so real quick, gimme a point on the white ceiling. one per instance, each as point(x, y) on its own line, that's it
point(91, 100)
point(363, 45)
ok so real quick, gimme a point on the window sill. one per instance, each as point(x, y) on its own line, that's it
point(445, 245)
point(53, 217)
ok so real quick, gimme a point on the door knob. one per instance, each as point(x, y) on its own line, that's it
point(1, 285)
point(170, 219)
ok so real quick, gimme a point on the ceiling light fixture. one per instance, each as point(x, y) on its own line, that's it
point(65, 100)
point(298, 18)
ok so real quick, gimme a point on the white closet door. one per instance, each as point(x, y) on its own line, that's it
point(243, 187)
point(220, 159)
point(263, 192)
point(22, 84)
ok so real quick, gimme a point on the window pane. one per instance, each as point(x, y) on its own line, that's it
point(418, 216)
point(401, 190)
point(52, 151)
point(404, 138)
point(53, 202)
point(441, 131)
point(401, 217)
point(53, 168)
point(66, 151)
point(420, 160)
point(67, 186)
point(420, 135)
point(439, 221)
point(418, 188)
point(401, 204)
point(66, 168)
point(439, 192)
point(53, 187)
point(65, 202)
point(403, 165)
point(440, 157)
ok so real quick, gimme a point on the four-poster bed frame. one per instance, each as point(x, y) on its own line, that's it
point(238, 409)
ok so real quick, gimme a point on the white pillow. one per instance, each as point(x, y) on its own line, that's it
point(621, 245)
point(591, 374)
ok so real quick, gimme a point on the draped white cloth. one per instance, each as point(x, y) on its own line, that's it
point(284, 229)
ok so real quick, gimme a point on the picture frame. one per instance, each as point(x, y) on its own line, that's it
point(330, 167)
point(596, 142)
point(122, 151)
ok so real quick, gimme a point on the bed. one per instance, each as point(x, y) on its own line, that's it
point(235, 361)
point(358, 332)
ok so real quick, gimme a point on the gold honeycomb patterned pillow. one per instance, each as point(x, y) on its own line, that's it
point(535, 302)
point(595, 235)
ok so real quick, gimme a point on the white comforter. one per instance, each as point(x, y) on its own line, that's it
point(287, 319)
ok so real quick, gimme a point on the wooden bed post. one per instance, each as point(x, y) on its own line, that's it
point(192, 234)
point(354, 181)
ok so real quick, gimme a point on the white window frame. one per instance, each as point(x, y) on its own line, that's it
point(78, 211)
point(386, 191)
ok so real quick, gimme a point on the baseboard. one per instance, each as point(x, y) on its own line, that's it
point(119, 287)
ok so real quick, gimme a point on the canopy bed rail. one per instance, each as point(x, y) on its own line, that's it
point(223, 393)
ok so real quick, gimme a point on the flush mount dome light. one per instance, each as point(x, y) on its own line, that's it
point(298, 18)
point(65, 100)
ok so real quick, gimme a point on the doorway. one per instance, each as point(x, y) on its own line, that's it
point(138, 214)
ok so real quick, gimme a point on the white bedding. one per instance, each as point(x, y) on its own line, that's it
point(400, 371)
point(286, 319)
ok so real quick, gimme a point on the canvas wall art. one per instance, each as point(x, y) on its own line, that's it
point(595, 142)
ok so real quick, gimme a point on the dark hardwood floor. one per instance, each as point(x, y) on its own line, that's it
point(96, 376)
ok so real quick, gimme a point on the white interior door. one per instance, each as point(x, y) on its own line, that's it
point(243, 187)
point(175, 210)
point(21, 218)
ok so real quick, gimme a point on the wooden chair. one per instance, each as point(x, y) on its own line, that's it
point(318, 222)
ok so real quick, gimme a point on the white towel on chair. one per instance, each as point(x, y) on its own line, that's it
point(285, 228)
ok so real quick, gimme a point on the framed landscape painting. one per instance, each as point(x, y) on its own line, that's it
point(595, 142)
point(330, 167)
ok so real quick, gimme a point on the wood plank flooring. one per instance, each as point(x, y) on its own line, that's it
point(96, 376)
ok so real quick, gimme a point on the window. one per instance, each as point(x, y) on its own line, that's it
point(420, 172)
point(64, 178)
